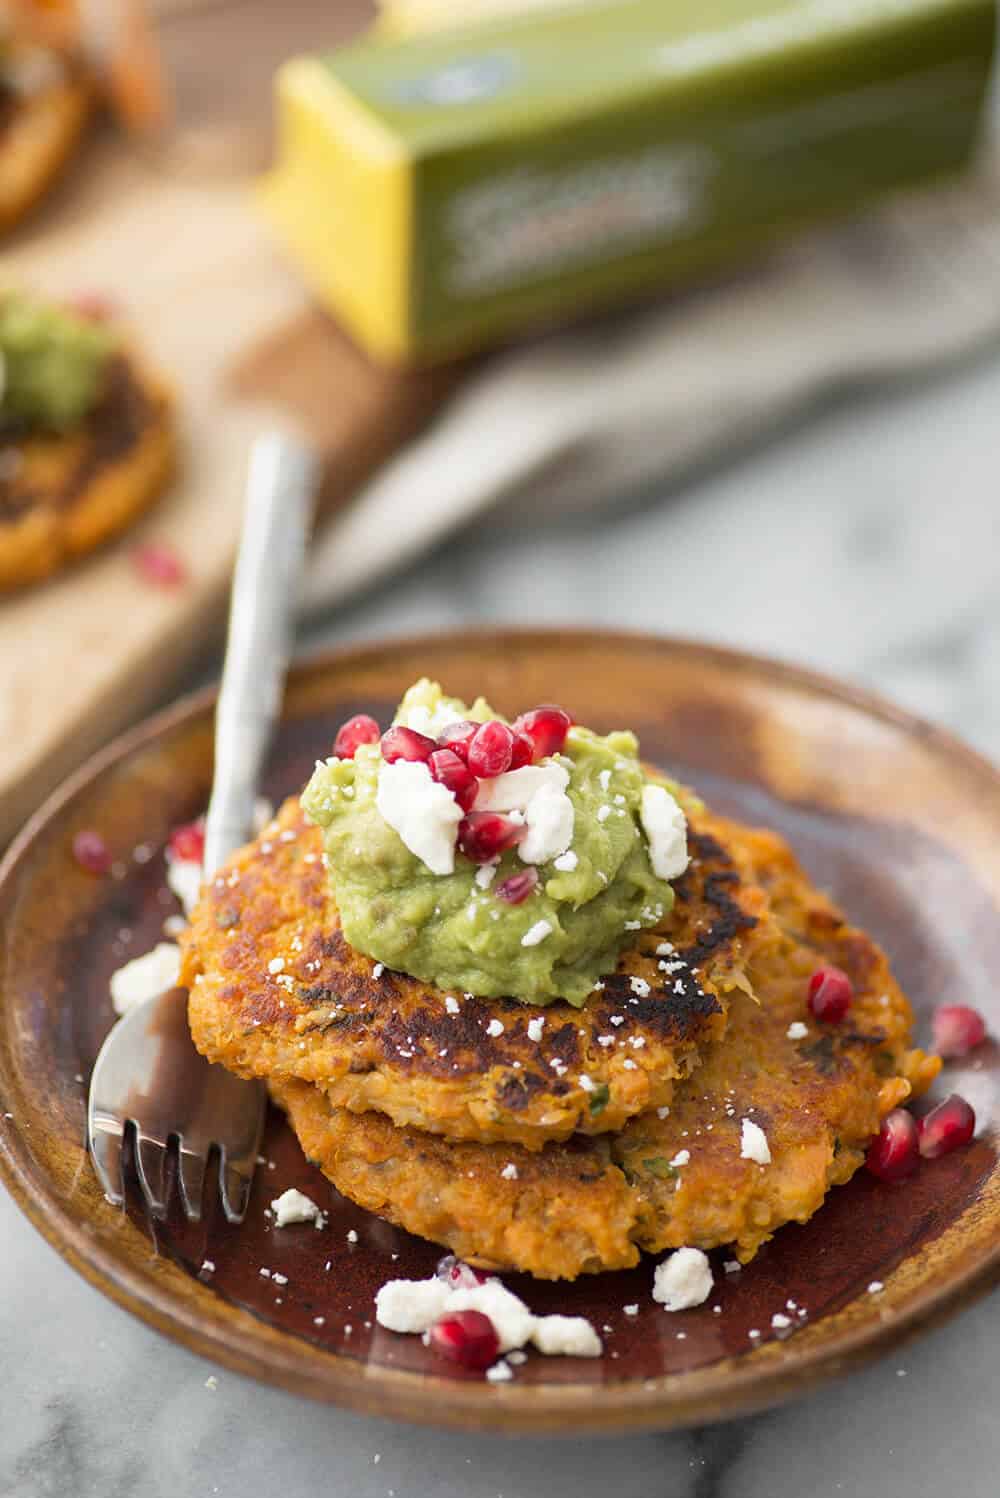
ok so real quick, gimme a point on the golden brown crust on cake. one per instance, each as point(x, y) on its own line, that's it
point(454, 1064)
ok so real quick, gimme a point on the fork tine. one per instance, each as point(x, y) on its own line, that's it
point(106, 1153)
point(235, 1191)
point(151, 1161)
point(191, 1172)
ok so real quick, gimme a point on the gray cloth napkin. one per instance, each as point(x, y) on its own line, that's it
point(556, 427)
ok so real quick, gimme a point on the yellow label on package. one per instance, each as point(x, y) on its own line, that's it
point(443, 191)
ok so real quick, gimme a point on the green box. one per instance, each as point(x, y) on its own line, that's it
point(443, 191)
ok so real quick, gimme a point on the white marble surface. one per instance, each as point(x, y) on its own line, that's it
point(863, 543)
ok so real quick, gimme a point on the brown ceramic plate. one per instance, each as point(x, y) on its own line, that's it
point(900, 821)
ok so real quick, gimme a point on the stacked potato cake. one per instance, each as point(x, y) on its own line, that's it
point(692, 1100)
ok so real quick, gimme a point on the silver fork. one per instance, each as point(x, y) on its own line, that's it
point(148, 1077)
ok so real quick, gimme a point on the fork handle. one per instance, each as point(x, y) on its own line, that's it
point(281, 485)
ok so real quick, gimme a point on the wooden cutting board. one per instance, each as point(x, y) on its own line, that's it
point(191, 267)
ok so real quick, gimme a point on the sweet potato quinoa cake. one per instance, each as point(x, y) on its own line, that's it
point(523, 996)
point(87, 438)
point(680, 1179)
point(277, 992)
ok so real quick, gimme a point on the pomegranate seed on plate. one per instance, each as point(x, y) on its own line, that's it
point(406, 743)
point(490, 749)
point(957, 1029)
point(518, 887)
point(830, 994)
point(459, 1275)
point(466, 1337)
point(159, 564)
point(484, 834)
point(546, 727)
point(92, 852)
point(446, 767)
point(187, 842)
point(458, 736)
point(361, 729)
point(947, 1127)
point(523, 751)
point(892, 1154)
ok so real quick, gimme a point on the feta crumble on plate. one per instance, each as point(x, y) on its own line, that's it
point(683, 1280)
point(294, 1206)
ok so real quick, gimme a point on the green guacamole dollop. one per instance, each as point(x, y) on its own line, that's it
point(53, 364)
point(449, 930)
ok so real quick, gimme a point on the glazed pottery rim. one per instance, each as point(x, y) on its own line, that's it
point(239, 1341)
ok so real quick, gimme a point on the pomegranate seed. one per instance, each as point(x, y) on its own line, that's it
point(947, 1127)
point(490, 749)
point(484, 834)
point(446, 767)
point(458, 736)
point(957, 1029)
point(466, 1337)
point(351, 735)
point(159, 564)
point(892, 1154)
point(523, 751)
point(92, 852)
point(92, 305)
point(459, 1275)
point(546, 727)
point(518, 887)
point(406, 743)
point(831, 993)
point(187, 842)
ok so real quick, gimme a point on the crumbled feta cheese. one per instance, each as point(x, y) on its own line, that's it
point(550, 821)
point(535, 1028)
point(495, 1027)
point(663, 1112)
point(639, 986)
point(797, 1030)
point(145, 977)
point(665, 827)
point(682, 1157)
point(683, 1280)
point(732, 1266)
point(515, 789)
point(603, 812)
point(424, 813)
point(566, 862)
point(451, 1004)
point(512, 1320)
point(184, 876)
point(294, 1206)
point(485, 874)
point(352, 1236)
point(276, 965)
point(753, 1143)
point(378, 970)
point(780, 1321)
point(500, 1373)
point(429, 721)
point(536, 933)
point(631, 1310)
point(587, 1084)
point(509, 1171)
point(664, 949)
point(279, 1279)
point(875, 1287)
point(411, 1305)
point(566, 1336)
